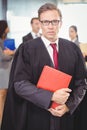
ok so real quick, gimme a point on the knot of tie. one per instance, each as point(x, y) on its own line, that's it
point(53, 45)
point(36, 36)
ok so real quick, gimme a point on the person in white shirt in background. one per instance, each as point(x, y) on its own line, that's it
point(73, 34)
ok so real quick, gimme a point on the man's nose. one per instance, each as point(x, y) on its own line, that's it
point(50, 24)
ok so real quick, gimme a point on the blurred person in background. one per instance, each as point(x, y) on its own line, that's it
point(73, 34)
point(6, 56)
point(35, 25)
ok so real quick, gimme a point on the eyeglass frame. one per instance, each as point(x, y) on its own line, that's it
point(46, 24)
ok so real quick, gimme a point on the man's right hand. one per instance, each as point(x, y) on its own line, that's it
point(60, 96)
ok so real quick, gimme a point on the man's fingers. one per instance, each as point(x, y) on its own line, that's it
point(67, 89)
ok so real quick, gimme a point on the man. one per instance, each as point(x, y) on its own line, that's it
point(28, 107)
point(35, 24)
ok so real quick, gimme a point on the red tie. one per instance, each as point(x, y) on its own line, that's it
point(55, 55)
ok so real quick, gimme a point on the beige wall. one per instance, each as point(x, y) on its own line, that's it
point(83, 47)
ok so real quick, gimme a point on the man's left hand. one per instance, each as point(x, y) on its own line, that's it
point(59, 110)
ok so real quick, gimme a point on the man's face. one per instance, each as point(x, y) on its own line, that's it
point(35, 25)
point(51, 30)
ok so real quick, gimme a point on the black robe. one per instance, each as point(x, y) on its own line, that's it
point(30, 112)
point(27, 37)
point(80, 119)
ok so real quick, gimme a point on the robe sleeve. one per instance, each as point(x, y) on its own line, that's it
point(80, 83)
point(24, 85)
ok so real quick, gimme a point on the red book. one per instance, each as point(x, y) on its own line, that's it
point(52, 80)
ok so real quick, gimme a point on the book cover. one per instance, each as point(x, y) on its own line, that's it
point(10, 43)
point(52, 80)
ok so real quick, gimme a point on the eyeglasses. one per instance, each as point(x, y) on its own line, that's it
point(53, 22)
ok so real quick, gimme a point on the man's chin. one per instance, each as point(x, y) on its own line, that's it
point(51, 38)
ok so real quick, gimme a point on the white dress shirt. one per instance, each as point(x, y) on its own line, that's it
point(34, 35)
point(48, 46)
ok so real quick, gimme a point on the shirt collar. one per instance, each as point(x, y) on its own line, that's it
point(34, 34)
point(47, 42)
point(74, 40)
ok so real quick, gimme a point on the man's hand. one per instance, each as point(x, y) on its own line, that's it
point(60, 96)
point(59, 111)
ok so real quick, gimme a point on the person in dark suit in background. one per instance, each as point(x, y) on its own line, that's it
point(35, 25)
point(28, 107)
